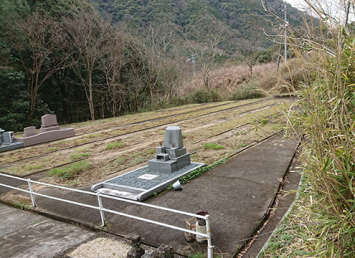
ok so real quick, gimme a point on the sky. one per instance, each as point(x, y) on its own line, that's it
point(330, 6)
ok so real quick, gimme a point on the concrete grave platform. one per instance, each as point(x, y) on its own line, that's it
point(171, 162)
point(141, 183)
point(50, 131)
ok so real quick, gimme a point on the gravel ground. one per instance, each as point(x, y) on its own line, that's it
point(131, 179)
point(101, 248)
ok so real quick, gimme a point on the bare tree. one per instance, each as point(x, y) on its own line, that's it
point(40, 50)
point(150, 51)
point(110, 65)
point(89, 34)
point(248, 48)
point(209, 32)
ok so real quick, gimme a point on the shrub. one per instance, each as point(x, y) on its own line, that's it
point(205, 96)
point(249, 92)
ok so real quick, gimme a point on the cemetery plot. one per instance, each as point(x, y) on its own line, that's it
point(122, 153)
point(124, 128)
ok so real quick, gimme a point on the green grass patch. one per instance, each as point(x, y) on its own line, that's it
point(121, 160)
point(200, 171)
point(33, 167)
point(82, 149)
point(52, 149)
point(93, 135)
point(150, 152)
point(117, 132)
point(80, 155)
point(70, 172)
point(213, 146)
point(115, 145)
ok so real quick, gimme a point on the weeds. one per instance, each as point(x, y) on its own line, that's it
point(80, 155)
point(327, 118)
point(22, 206)
point(200, 171)
point(197, 255)
point(115, 145)
point(33, 167)
point(213, 146)
point(70, 172)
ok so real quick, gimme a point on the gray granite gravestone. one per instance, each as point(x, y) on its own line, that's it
point(1, 137)
point(8, 142)
point(171, 163)
point(172, 155)
point(8, 137)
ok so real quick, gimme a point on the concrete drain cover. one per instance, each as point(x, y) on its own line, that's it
point(171, 162)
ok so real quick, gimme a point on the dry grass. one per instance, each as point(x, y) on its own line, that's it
point(231, 77)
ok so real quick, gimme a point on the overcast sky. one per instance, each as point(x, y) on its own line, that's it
point(332, 7)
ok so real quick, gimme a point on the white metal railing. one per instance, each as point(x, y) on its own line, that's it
point(100, 207)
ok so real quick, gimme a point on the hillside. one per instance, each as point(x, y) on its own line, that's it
point(191, 17)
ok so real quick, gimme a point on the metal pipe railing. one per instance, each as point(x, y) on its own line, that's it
point(102, 210)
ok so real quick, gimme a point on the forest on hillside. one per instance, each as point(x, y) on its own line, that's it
point(87, 60)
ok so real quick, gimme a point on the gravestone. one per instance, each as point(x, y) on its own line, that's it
point(49, 123)
point(7, 137)
point(1, 137)
point(171, 163)
point(29, 131)
point(172, 155)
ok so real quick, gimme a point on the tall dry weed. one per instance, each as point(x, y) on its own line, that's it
point(328, 121)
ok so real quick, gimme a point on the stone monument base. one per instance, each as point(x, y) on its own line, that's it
point(142, 183)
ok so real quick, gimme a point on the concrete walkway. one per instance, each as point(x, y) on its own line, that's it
point(236, 194)
point(24, 234)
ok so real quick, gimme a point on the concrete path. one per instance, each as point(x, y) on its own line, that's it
point(236, 194)
point(24, 234)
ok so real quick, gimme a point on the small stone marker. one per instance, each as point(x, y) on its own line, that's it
point(136, 250)
point(29, 131)
point(163, 251)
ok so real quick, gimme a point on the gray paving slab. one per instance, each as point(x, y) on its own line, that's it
point(23, 234)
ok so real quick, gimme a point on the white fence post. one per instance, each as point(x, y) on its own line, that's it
point(102, 214)
point(209, 240)
point(33, 198)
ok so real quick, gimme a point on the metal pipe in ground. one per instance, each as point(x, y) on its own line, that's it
point(209, 236)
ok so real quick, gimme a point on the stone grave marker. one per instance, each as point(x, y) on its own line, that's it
point(29, 131)
point(172, 155)
point(171, 163)
point(49, 123)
